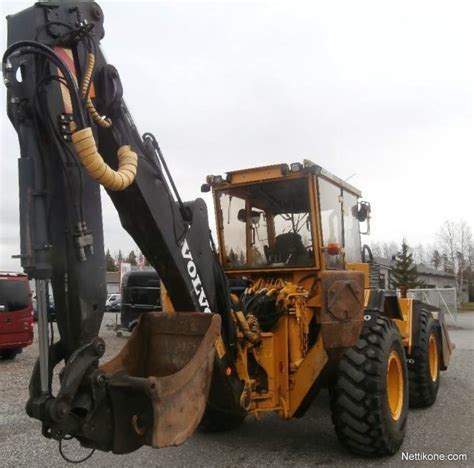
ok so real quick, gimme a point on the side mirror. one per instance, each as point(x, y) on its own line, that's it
point(254, 216)
point(242, 215)
point(363, 215)
point(364, 211)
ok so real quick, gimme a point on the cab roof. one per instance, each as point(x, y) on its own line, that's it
point(276, 171)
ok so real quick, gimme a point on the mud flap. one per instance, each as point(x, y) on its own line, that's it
point(447, 346)
point(159, 383)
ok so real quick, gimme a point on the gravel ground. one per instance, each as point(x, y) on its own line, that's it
point(446, 428)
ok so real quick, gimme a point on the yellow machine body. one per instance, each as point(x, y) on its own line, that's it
point(323, 301)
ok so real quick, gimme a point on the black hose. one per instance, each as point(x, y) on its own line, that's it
point(367, 249)
point(150, 137)
point(32, 47)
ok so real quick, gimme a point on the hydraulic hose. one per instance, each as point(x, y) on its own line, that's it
point(103, 122)
point(98, 169)
point(83, 139)
point(33, 47)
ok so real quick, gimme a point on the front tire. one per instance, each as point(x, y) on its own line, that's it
point(369, 398)
point(424, 364)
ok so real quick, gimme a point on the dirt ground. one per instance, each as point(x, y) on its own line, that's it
point(446, 428)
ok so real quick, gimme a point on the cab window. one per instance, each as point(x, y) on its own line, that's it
point(352, 247)
point(331, 220)
point(266, 225)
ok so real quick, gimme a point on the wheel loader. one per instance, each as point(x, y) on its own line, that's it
point(284, 304)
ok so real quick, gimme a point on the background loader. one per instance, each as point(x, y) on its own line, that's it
point(301, 312)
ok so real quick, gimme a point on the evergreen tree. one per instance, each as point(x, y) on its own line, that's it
point(119, 257)
point(132, 258)
point(242, 259)
point(404, 273)
point(436, 259)
point(109, 262)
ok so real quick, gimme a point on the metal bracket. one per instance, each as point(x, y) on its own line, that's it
point(64, 121)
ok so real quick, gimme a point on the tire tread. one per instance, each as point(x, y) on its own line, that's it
point(358, 392)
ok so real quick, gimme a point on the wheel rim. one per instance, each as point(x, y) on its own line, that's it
point(433, 358)
point(395, 385)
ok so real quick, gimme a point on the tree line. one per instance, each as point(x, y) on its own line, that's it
point(112, 262)
point(452, 252)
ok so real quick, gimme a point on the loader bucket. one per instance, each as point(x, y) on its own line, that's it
point(159, 382)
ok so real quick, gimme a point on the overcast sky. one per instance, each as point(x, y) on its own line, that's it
point(379, 89)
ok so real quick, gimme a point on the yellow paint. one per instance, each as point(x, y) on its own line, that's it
point(306, 375)
point(366, 297)
point(315, 222)
point(395, 390)
point(295, 343)
point(220, 348)
point(166, 304)
point(289, 366)
point(272, 356)
point(405, 325)
point(267, 356)
point(433, 357)
point(256, 174)
point(249, 271)
point(278, 372)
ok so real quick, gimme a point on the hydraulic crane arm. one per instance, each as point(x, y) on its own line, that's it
point(75, 133)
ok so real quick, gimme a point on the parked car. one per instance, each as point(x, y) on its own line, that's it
point(51, 310)
point(113, 303)
point(16, 314)
point(140, 294)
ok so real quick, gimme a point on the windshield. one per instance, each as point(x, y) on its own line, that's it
point(266, 225)
point(14, 294)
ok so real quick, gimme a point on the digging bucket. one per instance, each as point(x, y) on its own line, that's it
point(159, 382)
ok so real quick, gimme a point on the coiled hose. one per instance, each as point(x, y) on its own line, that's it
point(103, 122)
point(86, 147)
point(98, 169)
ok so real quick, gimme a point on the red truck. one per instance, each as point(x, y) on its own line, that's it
point(16, 314)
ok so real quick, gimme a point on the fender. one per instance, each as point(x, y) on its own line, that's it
point(385, 302)
point(445, 344)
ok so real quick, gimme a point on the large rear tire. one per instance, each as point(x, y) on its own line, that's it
point(369, 398)
point(424, 364)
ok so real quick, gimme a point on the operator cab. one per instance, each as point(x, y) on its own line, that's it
point(287, 217)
